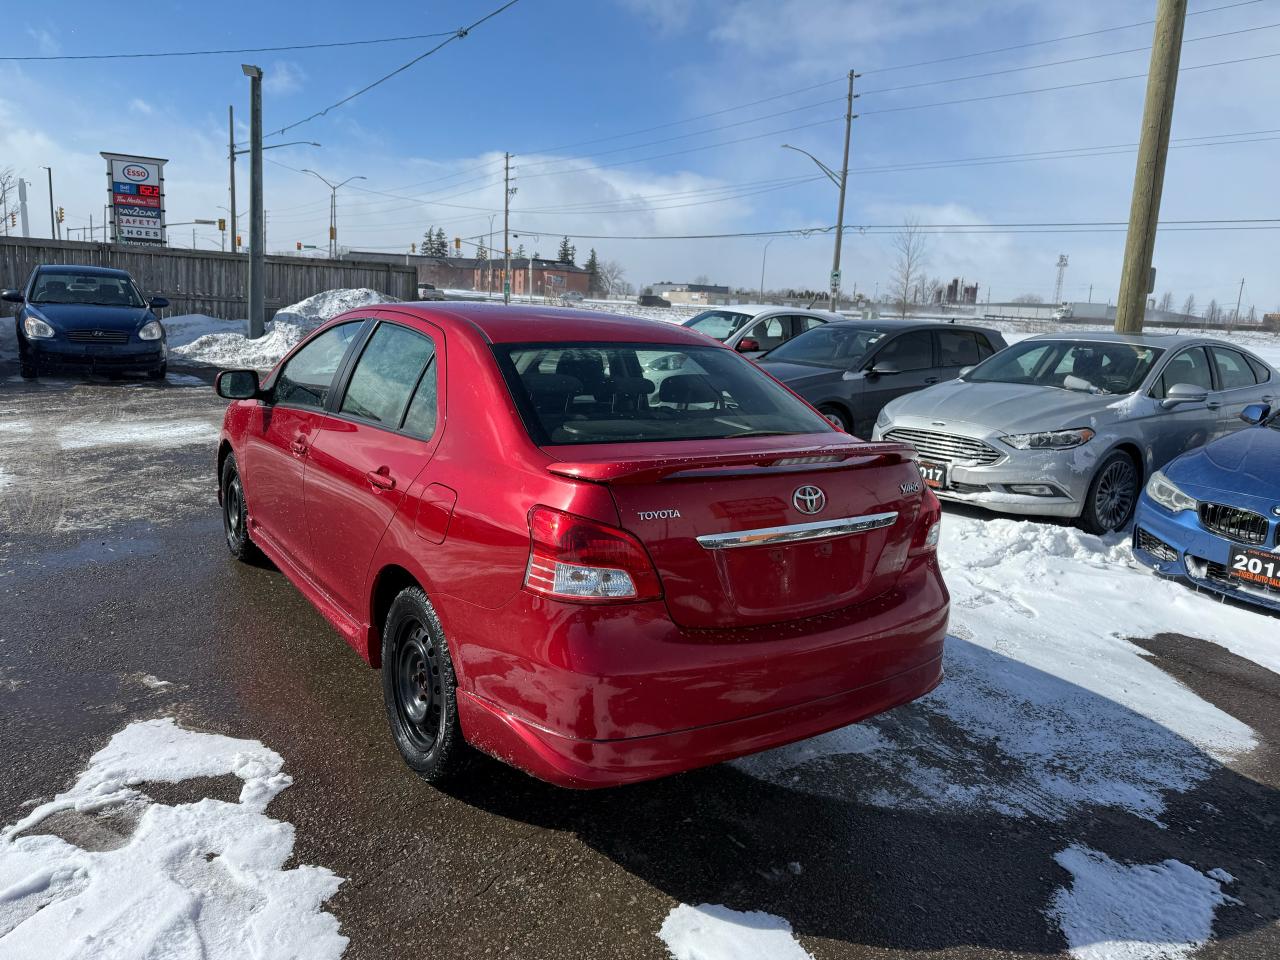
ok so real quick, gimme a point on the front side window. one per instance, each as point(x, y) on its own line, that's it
point(1085, 366)
point(769, 333)
point(386, 374)
point(630, 392)
point(829, 345)
point(65, 286)
point(1233, 369)
point(1190, 366)
point(718, 324)
point(958, 348)
point(307, 376)
point(910, 351)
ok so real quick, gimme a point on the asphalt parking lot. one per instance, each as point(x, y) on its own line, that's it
point(120, 603)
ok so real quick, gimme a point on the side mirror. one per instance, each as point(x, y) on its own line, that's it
point(1181, 393)
point(965, 371)
point(883, 369)
point(12, 296)
point(236, 384)
point(159, 303)
point(1255, 413)
point(748, 345)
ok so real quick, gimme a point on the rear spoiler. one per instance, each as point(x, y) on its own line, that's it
point(704, 466)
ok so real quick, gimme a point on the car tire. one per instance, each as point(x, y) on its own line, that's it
point(27, 369)
point(235, 514)
point(1113, 494)
point(159, 373)
point(420, 689)
point(836, 416)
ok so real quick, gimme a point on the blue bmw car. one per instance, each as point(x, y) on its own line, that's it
point(87, 317)
point(1211, 518)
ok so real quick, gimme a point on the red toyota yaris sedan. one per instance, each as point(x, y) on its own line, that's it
point(601, 549)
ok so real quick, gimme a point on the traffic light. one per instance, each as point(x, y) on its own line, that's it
point(239, 241)
point(222, 224)
point(413, 248)
point(62, 214)
point(13, 219)
point(457, 243)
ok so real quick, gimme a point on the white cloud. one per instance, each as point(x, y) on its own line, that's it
point(138, 105)
point(667, 15)
point(282, 78)
point(45, 43)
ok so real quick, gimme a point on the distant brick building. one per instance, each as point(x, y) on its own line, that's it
point(697, 293)
point(444, 273)
point(1271, 321)
point(531, 277)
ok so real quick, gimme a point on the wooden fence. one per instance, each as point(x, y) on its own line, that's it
point(205, 281)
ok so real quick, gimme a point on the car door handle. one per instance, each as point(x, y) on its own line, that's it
point(932, 379)
point(299, 447)
point(1213, 404)
point(381, 478)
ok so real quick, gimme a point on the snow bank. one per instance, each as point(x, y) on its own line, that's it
point(201, 879)
point(1114, 911)
point(712, 932)
point(223, 343)
point(1052, 709)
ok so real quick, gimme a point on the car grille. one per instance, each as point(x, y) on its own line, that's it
point(1244, 526)
point(98, 336)
point(946, 447)
point(1155, 546)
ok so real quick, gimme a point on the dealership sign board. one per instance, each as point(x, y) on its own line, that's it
point(135, 186)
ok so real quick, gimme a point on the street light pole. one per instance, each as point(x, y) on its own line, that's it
point(257, 229)
point(841, 180)
point(53, 223)
point(231, 163)
point(333, 209)
point(763, 255)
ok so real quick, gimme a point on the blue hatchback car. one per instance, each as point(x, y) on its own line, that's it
point(1211, 518)
point(87, 317)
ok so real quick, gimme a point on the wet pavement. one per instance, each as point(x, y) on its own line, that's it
point(118, 602)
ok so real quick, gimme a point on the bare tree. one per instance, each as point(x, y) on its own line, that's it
point(1189, 305)
point(933, 288)
point(1212, 312)
point(912, 254)
point(1028, 298)
point(7, 184)
point(1166, 301)
point(702, 280)
point(612, 277)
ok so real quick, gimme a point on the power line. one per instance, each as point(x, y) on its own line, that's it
point(241, 50)
point(456, 35)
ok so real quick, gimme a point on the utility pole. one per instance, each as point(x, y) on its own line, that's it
point(844, 180)
point(1148, 179)
point(257, 228)
point(231, 165)
point(506, 227)
point(1239, 296)
point(53, 223)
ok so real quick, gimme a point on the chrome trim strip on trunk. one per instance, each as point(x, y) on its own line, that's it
point(796, 532)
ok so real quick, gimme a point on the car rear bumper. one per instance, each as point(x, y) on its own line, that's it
point(593, 696)
point(122, 357)
point(588, 764)
point(1178, 547)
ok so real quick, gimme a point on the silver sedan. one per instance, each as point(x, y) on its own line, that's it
point(1070, 425)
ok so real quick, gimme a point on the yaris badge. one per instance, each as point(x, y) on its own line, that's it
point(809, 499)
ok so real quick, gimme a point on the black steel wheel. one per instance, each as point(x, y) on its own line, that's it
point(235, 514)
point(419, 689)
point(1112, 495)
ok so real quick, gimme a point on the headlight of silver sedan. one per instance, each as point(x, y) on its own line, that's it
point(1166, 493)
point(36, 328)
point(1049, 439)
point(151, 330)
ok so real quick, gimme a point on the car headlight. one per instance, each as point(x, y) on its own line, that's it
point(151, 330)
point(36, 328)
point(1166, 493)
point(883, 419)
point(1049, 440)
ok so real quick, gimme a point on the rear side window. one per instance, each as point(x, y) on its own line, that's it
point(1259, 370)
point(1233, 370)
point(421, 418)
point(1190, 366)
point(386, 374)
point(985, 349)
point(958, 348)
point(631, 392)
point(307, 377)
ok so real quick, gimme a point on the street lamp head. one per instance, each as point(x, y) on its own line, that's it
point(251, 71)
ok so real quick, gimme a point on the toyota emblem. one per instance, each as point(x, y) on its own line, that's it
point(809, 499)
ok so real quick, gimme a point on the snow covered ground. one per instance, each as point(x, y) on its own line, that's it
point(202, 879)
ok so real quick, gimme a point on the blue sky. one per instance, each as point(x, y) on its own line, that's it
point(548, 77)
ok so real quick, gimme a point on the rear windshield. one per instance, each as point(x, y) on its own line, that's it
point(1083, 366)
point(830, 345)
point(632, 392)
point(719, 324)
point(69, 287)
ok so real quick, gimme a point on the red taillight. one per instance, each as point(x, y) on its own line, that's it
point(573, 558)
point(928, 525)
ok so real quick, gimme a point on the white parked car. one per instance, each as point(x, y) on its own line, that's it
point(755, 329)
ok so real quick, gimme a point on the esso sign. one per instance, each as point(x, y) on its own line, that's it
point(135, 172)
